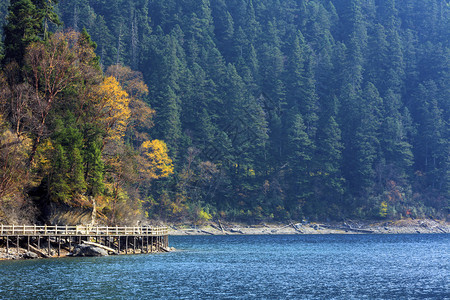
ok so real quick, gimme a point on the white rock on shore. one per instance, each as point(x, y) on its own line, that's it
point(406, 226)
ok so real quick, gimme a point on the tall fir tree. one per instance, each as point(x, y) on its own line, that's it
point(23, 27)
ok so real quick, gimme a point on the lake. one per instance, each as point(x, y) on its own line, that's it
point(247, 267)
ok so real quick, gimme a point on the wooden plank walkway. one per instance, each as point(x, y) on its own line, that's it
point(142, 239)
point(80, 230)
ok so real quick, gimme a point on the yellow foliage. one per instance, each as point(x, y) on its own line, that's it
point(383, 209)
point(141, 119)
point(176, 208)
point(141, 114)
point(204, 216)
point(131, 81)
point(156, 161)
point(113, 107)
point(14, 152)
point(43, 156)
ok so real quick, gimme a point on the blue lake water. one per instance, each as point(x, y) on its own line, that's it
point(247, 267)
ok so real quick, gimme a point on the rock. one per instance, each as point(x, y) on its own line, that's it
point(30, 255)
point(87, 250)
point(297, 226)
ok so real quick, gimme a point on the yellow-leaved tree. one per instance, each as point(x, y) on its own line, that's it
point(131, 81)
point(141, 119)
point(155, 162)
point(123, 116)
point(112, 106)
point(14, 151)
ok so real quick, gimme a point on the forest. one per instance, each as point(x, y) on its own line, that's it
point(241, 110)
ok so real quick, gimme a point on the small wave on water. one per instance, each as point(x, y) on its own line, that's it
point(247, 267)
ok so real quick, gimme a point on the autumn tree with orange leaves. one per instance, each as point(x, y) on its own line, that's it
point(141, 117)
point(83, 138)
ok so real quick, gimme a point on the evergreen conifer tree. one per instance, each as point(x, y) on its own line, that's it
point(23, 27)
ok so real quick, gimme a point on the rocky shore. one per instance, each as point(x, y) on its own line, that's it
point(14, 255)
point(87, 249)
point(82, 250)
point(405, 226)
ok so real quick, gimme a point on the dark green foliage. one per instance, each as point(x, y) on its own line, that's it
point(67, 178)
point(328, 155)
point(77, 167)
point(3, 12)
point(59, 189)
point(94, 168)
point(319, 109)
point(23, 27)
point(300, 155)
point(27, 21)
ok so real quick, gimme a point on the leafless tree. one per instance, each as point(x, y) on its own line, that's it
point(62, 61)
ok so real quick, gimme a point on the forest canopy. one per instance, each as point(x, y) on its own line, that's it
point(245, 110)
point(70, 133)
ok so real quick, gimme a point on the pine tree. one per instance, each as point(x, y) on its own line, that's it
point(27, 22)
point(168, 119)
point(3, 12)
point(394, 144)
point(68, 169)
point(377, 61)
point(432, 137)
point(299, 158)
point(23, 27)
point(59, 189)
point(46, 14)
point(251, 25)
point(93, 163)
point(367, 137)
point(356, 43)
point(223, 27)
point(328, 180)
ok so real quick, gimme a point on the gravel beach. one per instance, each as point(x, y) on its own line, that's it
point(406, 226)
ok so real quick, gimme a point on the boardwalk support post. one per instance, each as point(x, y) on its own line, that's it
point(144, 239)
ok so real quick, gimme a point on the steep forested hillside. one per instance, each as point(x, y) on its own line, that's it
point(288, 109)
point(74, 142)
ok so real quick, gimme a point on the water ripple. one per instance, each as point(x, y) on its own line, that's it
point(247, 267)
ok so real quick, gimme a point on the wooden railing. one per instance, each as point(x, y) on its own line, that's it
point(83, 230)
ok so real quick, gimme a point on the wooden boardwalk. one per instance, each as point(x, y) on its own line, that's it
point(120, 240)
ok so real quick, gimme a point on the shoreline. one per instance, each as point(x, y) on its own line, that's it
point(405, 226)
point(22, 254)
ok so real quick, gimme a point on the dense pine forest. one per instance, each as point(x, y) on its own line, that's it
point(241, 110)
